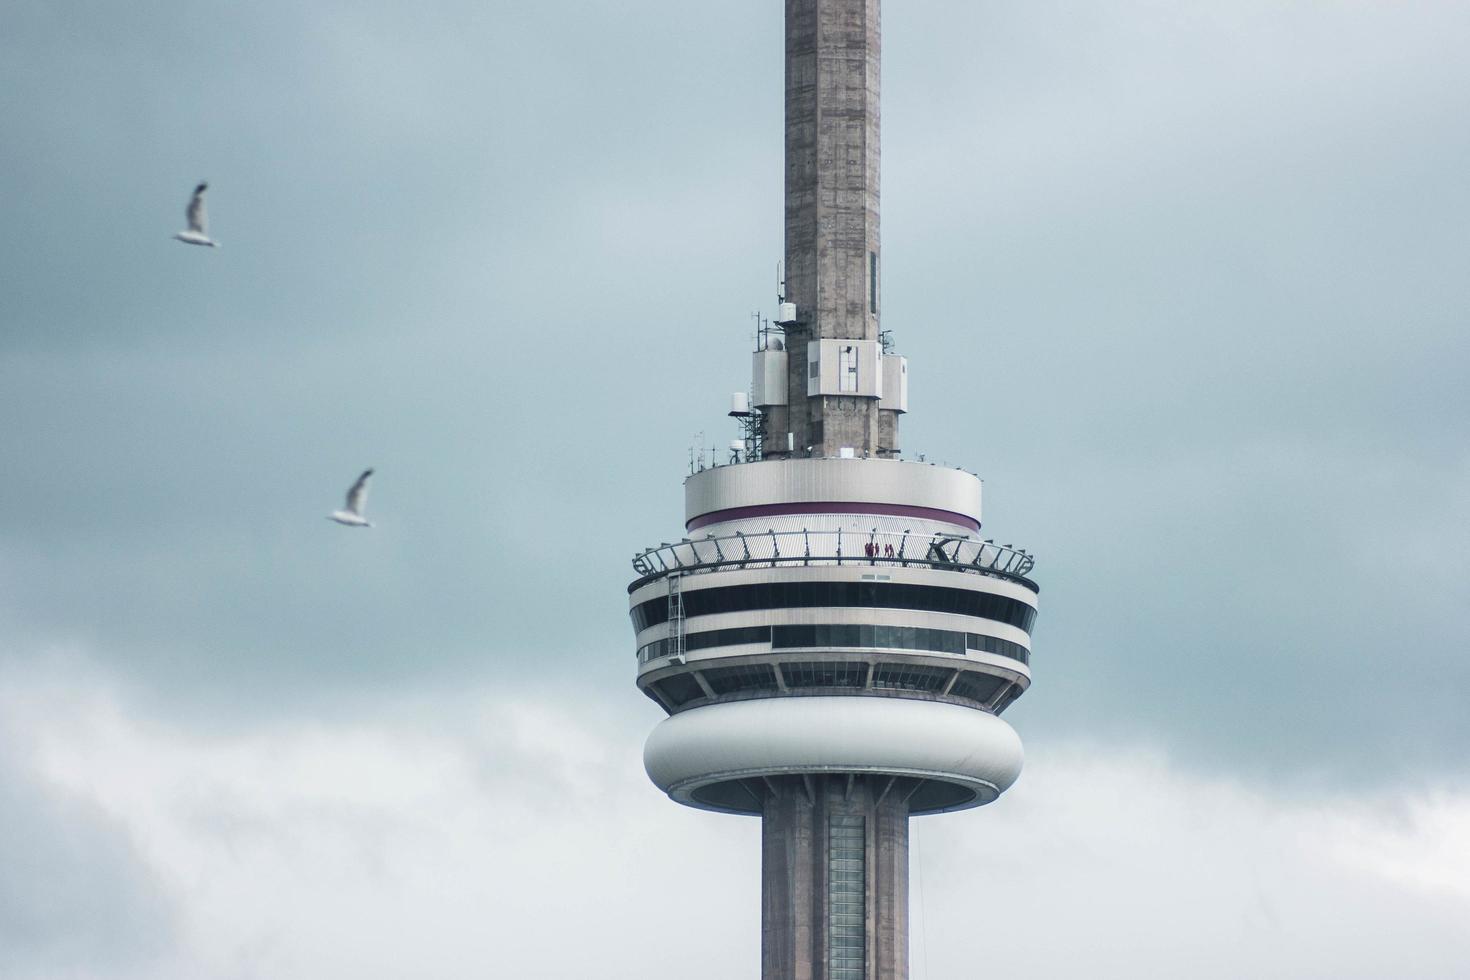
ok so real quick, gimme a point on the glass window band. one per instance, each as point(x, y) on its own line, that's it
point(920, 638)
point(862, 595)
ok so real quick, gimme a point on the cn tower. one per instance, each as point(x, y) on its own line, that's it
point(832, 637)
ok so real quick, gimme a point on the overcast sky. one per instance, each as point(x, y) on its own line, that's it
point(1185, 283)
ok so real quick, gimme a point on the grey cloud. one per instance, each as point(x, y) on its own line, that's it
point(458, 831)
point(1185, 287)
point(75, 897)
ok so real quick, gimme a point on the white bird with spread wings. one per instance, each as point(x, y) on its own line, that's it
point(196, 233)
point(351, 515)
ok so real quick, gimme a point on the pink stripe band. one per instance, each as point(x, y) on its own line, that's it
point(784, 510)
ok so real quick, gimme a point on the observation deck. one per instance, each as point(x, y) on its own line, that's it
point(833, 616)
point(806, 547)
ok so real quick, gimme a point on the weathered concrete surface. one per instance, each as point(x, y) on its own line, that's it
point(794, 874)
point(832, 242)
point(791, 858)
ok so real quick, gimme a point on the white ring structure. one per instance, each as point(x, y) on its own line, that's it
point(698, 756)
point(728, 490)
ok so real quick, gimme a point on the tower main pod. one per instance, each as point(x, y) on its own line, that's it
point(832, 639)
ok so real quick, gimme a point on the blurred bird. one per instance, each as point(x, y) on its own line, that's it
point(196, 234)
point(351, 515)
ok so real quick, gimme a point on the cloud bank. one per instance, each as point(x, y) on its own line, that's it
point(479, 832)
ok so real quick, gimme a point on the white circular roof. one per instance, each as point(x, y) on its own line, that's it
point(914, 487)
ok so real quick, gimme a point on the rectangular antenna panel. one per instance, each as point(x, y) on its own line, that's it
point(768, 370)
point(844, 367)
point(895, 383)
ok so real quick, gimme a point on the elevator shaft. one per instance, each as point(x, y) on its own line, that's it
point(834, 878)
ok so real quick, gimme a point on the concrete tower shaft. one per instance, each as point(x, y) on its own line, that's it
point(834, 882)
point(832, 238)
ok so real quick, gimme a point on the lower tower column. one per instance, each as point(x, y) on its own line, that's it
point(834, 878)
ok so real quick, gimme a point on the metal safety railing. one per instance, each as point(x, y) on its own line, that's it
point(784, 548)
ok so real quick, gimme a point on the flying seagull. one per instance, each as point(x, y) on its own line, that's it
point(196, 235)
point(351, 515)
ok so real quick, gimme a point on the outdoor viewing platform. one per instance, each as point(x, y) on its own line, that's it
point(949, 552)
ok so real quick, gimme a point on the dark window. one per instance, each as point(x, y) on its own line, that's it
point(994, 644)
point(825, 675)
point(872, 282)
point(1008, 698)
point(867, 595)
point(679, 689)
point(910, 677)
point(793, 636)
point(844, 635)
point(728, 680)
point(727, 638)
point(889, 637)
point(977, 687)
point(703, 641)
